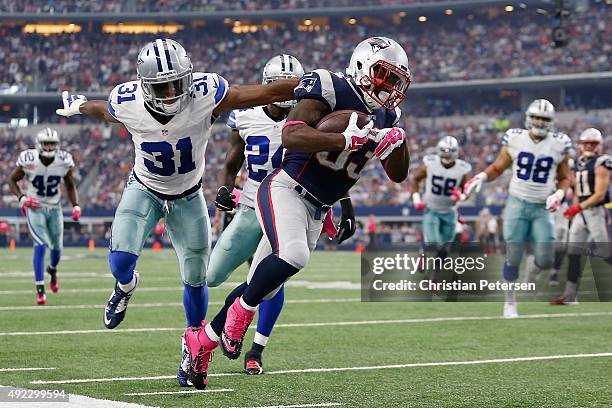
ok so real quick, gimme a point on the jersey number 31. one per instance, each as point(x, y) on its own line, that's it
point(163, 152)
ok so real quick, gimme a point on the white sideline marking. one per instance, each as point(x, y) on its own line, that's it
point(336, 369)
point(179, 392)
point(5, 370)
point(149, 305)
point(323, 404)
point(321, 324)
point(334, 285)
point(75, 400)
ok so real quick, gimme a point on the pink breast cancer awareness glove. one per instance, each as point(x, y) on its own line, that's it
point(236, 194)
point(28, 202)
point(76, 213)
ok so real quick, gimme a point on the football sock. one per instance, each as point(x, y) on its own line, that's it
point(40, 289)
point(270, 273)
point(122, 266)
point(55, 256)
point(510, 272)
point(559, 255)
point(39, 264)
point(269, 310)
point(574, 267)
point(218, 321)
point(257, 346)
point(195, 301)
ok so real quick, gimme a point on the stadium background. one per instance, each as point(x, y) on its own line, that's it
point(475, 66)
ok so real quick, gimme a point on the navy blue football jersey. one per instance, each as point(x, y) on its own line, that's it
point(585, 176)
point(330, 175)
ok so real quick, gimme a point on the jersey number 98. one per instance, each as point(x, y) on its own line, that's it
point(531, 169)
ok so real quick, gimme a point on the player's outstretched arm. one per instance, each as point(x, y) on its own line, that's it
point(233, 162)
point(248, 96)
point(501, 163)
point(78, 104)
point(72, 195)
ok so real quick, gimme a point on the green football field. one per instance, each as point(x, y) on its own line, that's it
point(328, 349)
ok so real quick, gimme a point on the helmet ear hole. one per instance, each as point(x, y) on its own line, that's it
point(359, 65)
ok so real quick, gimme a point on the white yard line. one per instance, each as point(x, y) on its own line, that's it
point(74, 400)
point(333, 285)
point(340, 369)
point(180, 392)
point(8, 370)
point(322, 324)
point(322, 404)
point(173, 304)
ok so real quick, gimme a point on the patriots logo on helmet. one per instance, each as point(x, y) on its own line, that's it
point(378, 44)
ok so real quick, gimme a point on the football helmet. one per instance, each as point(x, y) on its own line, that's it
point(590, 142)
point(539, 118)
point(379, 67)
point(448, 150)
point(47, 142)
point(282, 66)
point(165, 72)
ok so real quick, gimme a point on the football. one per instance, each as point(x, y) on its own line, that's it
point(337, 121)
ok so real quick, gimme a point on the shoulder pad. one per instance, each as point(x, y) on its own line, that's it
point(207, 84)
point(319, 85)
point(604, 160)
point(510, 133)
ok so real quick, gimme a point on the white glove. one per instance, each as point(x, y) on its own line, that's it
point(71, 104)
point(388, 139)
point(553, 201)
point(475, 183)
point(355, 137)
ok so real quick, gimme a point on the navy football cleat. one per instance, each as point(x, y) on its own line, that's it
point(182, 378)
point(114, 313)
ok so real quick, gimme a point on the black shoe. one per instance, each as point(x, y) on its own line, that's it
point(252, 363)
point(53, 284)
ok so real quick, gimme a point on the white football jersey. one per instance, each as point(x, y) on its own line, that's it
point(441, 181)
point(44, 181)
point(263, 150)
point(169, 159)
point(534, 164)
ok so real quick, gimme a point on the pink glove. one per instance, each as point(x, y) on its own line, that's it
point(236, 194)
point(420, 206)
point(392, 138)
point(76, 213)
point(328, 224)
point(28, 202)
point(456, 194)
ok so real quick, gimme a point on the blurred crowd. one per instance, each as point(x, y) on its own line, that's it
point(490, 45)
point(116, 6)
point(111, 159)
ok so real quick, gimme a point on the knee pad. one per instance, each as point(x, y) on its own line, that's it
point(514, 254)
point(194, 266)
point(544, 255)
point(296, 254)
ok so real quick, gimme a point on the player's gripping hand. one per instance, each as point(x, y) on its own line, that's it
point(26, 202)
point(71, 104)
point(387, 140)
point(475, 183)
point(225, 199)
point(76, 213)
point(355, 137)
point(419, 204)
point(553, 202)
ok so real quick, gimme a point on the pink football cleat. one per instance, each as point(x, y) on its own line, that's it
point(200, 348)
point(41, 299)
point(236, 325)
point(53, 283)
